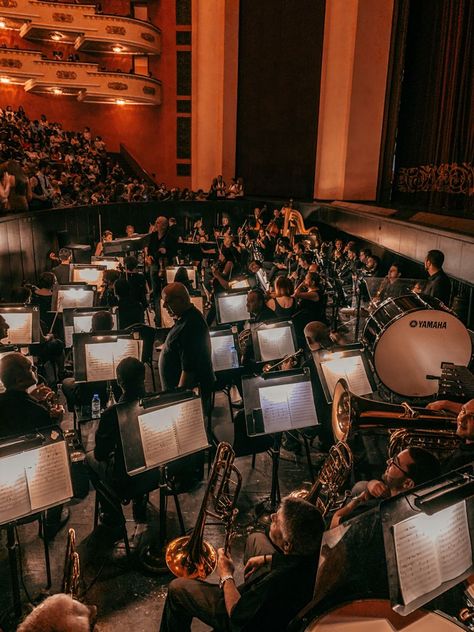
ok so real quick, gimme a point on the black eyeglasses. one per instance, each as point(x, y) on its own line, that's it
point(394, 461)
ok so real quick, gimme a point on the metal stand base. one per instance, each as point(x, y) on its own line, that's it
point(264, 509)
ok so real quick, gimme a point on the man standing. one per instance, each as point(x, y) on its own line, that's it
point(61, 272)
point(279, 578)
point(438, 284)
point(158, 254)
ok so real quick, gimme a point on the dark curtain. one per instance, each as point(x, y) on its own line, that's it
point(434, 146)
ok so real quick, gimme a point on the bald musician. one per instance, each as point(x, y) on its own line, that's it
point(464, 454)
point(4, 327)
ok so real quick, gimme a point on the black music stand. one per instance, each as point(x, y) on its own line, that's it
point(231, 307)
point(167, 321)
point(72, 295)
point(100, 364)
point(111, 262)
point(24, 324)
point(126, 245)
point(156, 431)
point(77, 320)
point(224, 345)
point(273, 340)
point(349, 362)
point(276, 403)
point(28, 463)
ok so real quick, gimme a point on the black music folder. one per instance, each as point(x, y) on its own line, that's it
point(34, 474)
point(160, 429)
point(78, 320)
point(278, 402)
point(73, 295)
point(23, 322)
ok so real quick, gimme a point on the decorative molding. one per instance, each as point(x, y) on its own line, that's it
point(8, 4)
point(117, 85)
point(148, 90)
point(66, 74)
point(11, 63)
point(63, 17)
point(446, 178)
point(148, 37)
point(115, 30)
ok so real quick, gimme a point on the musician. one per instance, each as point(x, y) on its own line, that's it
point(106, 236)
point(259, 313)
point(156, 256)
point(279, 578)
point(438, 284)
point(373, 266)
point(4, 327)
point(464, 429)
point(60, 613)
point(107, 296)
point(130, 230)
point(310, 297)
point(61, 272)
point(185, 360)
point(391, 286)
point(283, 302)
point(410, 467)
point(224, 229)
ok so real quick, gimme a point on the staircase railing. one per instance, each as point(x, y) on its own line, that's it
point(134, 165)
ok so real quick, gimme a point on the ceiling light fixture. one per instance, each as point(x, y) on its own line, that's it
point(120, 102)
point(117, 48)
point(3, 24)
point(57, 91)
point(5, 80)
point(56, 36)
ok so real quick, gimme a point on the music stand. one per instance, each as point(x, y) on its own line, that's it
point(427, 536)
point(111, 263)
point(96, 356)
point(155, 432)
point(349, 362)
point(78, 320)
point(24, 324)
point(273, 341)
point(224, 345)
point(239, 284)
point(276, 403)
point(34, 476)
point(125, 245)
point(191, 270)
point(167, 321)
point(231, 307)
point(72, 295)
point(88, 274)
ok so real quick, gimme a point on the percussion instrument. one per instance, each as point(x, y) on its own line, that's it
point(377, 615)
point(409, 337)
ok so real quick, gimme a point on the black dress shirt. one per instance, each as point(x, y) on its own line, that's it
point(61, 272)
point(21, 414)
point(462, 456)
point(439, 286)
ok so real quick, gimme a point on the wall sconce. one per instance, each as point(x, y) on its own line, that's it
point(119, 102)
point(117, 48)
point(57, 91)
point(56, 36)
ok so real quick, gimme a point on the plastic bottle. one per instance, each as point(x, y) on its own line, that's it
point(235, 357)
point(95, 407)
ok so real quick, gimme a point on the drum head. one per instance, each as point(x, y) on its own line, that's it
point(414, 346)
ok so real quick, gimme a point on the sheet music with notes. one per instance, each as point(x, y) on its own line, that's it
point(224, 355)
point(171, 273)
point(21, 327)
point(170, 432)
point(287, 406)
point(275, 343)
point(14, 497)
point(102, 358)
point(352, 369)
point(168, 321)
point(233, 308)
point(74, 298)
point(91, 276)
point(47, 472)
point(431, 550)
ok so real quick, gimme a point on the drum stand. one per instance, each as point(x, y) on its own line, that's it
point(152, 556)
point(267, 507)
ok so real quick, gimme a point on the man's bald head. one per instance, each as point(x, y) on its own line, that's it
point(176, 299)
point(465, 422)
point(16, 372)
point(317, 335)
point(4, 327)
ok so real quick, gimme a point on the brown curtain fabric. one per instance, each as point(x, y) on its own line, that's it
point(435, 140)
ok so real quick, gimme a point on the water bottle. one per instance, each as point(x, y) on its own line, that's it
point(234, 356)
point(95, 407)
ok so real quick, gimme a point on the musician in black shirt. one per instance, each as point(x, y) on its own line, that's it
point(438, 284)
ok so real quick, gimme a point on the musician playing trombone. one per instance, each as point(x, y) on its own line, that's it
point(279, 578)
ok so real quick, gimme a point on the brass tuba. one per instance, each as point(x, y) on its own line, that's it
point(72, 569)
point(326, 489)
point(350, 412)
point(191, 556)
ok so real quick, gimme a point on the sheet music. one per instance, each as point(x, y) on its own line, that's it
point(275, 343)
point(223, 352)
point(352, 369)
point(189, 423)
point(68, 331)
point(82, 324)
point(167, 321)
point(21, 327)
point(102, 358)
point(198, 303)
point(14, 498)
point(158, 436)
point(287, 406)
point(171, 273)
point(431, 550)
point(74, 298)
point(47, 472)
point(91, 276)
point(233, 308)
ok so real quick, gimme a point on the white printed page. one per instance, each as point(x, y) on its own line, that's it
point(198, 303)
point(275, 410)
point(350, 368)
point(301, 405)
point(100, 361)
point(82, 324)
point(47, 472)
point(275, 343)
point(189, 422)
point(68, 331)
point(233, 308)
point(126, 348)
point(221, 352)
point(158, 437)
point(21, 325)
point(453, 541)
point(14, 498)
point(167, 321)
point(74, 298)
point(91, 276)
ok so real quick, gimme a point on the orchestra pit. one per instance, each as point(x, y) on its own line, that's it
point(236, 316)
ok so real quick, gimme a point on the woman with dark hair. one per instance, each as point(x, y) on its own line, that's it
point(283, 303)
point(42, 296)
point(20, 190)
point(310, 297)
point(181, 276)
point(107, 236)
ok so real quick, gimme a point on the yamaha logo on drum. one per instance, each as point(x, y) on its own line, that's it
point(428, 324)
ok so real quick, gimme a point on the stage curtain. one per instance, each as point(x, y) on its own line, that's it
point(435, 138)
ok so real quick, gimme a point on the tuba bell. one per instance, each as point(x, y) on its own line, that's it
point(431, 429)
point(325, 491)
point(191, 556)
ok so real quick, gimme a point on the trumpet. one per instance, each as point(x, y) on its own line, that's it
point(290, 357)
point(191, 556)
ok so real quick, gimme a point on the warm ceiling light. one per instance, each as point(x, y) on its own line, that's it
point(117, 49)
point(57, 91)
point(120, 102)
point(3, 24)
point(56, 36)
point(4, 80)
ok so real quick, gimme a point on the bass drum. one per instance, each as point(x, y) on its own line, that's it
point(376, 615)
point(409, 337)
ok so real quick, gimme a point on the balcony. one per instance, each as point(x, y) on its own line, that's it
point(81, 27)
point(81, 80)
